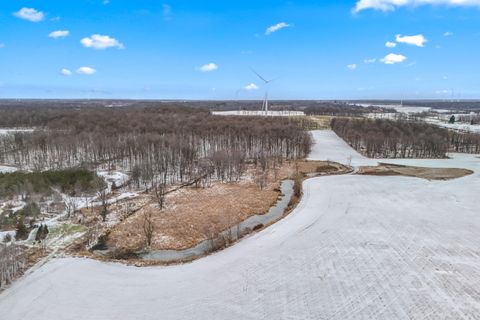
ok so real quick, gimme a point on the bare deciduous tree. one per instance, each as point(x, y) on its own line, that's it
point(148, 227)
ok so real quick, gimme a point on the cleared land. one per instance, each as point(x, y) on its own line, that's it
point(385, 169)
point(356, 247)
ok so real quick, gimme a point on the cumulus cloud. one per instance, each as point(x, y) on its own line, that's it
point(352, 66)
point(390, 44)
point(209, 67)
point(391, 5)
point(393, 58)
point(101, 42)
point(30, 14)
point(276, 27)
point(86, 70)
point(59, 34)
point(167, 11)
point(418, 40)
point(369, 61)
point(65, 72)
point(251, 86)
point(448, 34)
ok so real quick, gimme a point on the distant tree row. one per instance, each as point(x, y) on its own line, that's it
point(382, 138)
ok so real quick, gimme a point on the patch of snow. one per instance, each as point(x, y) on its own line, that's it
point(458, 126)
point(259, 113)
point(4, 233)
point(328, 146)
point(111, 177)
point(397, 107)
point(6, 131)
point(7, 169)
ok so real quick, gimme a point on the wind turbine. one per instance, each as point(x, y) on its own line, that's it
point(267, 82)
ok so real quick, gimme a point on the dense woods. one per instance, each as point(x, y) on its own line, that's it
point(157, 145)
point(69, 181)
point(382, 138)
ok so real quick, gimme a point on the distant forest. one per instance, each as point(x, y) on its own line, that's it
point(382, 138)
point(156, 144)
point(453, 105)
point(310, 107)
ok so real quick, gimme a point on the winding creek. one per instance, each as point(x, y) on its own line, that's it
point(234, 233)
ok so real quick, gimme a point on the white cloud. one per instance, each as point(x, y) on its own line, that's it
point(65, 72)
point(390, 44)
point(209, 67)
point(86, 70)
point(391, 5)
point(101, 42)
point(448, 34)
point(417, 40)
point(167, 10)
point(276, 27)
point(251, 86)
point(393, 58)
point(30, 14)
point(352, 66)
point(59, 34)
point(369, 61)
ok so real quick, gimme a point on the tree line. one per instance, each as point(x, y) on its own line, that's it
point(383, 138)
point(157, 145)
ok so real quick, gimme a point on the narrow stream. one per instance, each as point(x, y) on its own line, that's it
point(234, 233)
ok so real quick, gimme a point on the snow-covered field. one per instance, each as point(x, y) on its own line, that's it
point(397, 107)
point(459, 126)
point(5, 131)
point(356, 247)
point(7, 169)
point(328, 146)
point(259, 113)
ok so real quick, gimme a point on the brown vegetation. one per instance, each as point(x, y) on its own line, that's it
point(192, 215)
point(419, 172)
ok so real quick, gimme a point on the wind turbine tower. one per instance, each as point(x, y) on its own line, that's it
point(267, 82)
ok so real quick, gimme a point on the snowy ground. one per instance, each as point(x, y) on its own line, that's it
point(7, 169)
point(356, 247)
point(328, 146)
point(397, 107)
point(259, 113)
point(5, 131)
point(458, 126)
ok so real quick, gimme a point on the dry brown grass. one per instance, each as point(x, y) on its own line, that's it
point(418, 172)
point(192, 215)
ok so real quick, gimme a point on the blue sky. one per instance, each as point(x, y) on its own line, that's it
point(154, 49)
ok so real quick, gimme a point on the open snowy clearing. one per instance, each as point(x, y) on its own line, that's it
point(7, 169)
point(356, 247)
point(254, 113)
point(328, 146)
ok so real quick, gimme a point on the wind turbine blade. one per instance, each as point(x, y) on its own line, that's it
point(274, 79)
point(258, 75)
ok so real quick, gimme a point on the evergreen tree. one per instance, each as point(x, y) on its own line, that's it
point(22, 231)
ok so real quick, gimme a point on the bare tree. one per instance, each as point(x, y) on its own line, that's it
point(160, 192)
point(102, 195)
point(148, 227)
